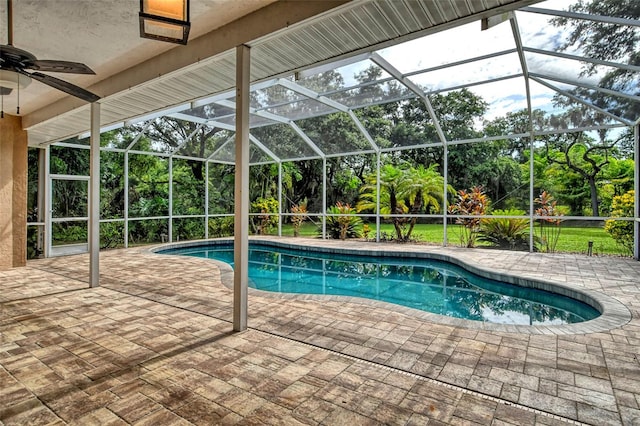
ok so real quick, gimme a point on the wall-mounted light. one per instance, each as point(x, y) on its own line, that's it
point(165, 20)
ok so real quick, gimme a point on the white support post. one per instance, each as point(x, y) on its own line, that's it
point(324, 198)
point(378, 164)
point(170, 220)
point(206, 199)
point(532, 145)
point(445, 194)
point(48, 192)
point(515, 29)
point(241, 219)
point(126, 199)
point(94, 198)
point(636, 187)
point(279, 199)
point(42, 199)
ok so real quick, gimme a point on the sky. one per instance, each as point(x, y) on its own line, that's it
point(469, 41)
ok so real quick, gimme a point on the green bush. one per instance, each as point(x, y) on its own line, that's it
point(221, 227)
point(69, 233)
point(548, 229)
point(343, 227)
point(506, 233)
point(33, 249)
point(111, 235)
point(266, 220)
point(621, 230)
point(300, 210)
point(188, 229)
point(470, 203)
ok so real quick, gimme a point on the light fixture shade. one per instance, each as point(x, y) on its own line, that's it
point(165, 20)
point(12, 80)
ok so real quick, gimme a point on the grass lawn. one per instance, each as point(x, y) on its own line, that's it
point(572, 239)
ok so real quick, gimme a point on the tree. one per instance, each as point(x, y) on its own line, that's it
point(457, 113)
point(492, 165)
point(423, 189)
point(607, 42)
point(403, 190)
point(514, 123)
point(390, 201)
point(583, 156)
point(191, 138)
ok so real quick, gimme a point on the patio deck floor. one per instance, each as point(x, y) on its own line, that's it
point(153, 345)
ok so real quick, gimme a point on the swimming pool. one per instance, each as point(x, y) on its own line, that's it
point(429, 285)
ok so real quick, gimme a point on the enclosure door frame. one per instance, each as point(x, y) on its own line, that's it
point(65, 249)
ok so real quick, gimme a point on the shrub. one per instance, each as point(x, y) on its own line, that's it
point(549, 228)
point(366, 230)
point(621, 230)
point(221, 226)
point(343, 227)
point(470, 203)
point(111, 235)
point(506, 233)
point(266, 220)
point(300, 210)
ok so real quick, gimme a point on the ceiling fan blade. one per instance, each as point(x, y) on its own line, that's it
point(65, 86)
point(5, 91)
point(59, 66)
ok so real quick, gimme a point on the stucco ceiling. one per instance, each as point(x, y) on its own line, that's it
point(102, 34)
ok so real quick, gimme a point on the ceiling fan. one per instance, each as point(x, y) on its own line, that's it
point(14, 62)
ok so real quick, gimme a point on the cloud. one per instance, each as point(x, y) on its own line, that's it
point(468, 41)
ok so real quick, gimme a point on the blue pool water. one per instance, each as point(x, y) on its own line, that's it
point(429, 285)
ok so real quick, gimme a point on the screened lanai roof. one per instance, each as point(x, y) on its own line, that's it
point(517, 63)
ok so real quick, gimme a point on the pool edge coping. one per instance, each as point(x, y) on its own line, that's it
point(614, 313)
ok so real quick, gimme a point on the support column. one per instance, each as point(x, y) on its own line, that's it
point(48, 193)
point(206, 200)
point(170, 220)
point(13, 193)
point(126, 199)
point(94, 198)
point(241, 203)
point(636, 187)
point(445, 194)
point(378, 165)
point(324, 198)
point(280, 199)
point(42, 199)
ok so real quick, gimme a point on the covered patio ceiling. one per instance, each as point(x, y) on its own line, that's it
point(286, 37)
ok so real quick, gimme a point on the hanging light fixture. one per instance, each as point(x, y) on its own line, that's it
point(165, 20)
point(10, 80)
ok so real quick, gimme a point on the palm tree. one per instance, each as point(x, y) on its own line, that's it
point(390, 202)
point(403, 190)
point(423, 189)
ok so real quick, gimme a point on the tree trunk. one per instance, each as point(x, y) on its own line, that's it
point(394, 209)
point(595, 205)
point(415, 209)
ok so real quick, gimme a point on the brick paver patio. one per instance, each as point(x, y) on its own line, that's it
point(153, 345)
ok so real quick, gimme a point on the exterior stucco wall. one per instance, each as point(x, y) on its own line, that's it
point(13, 193)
